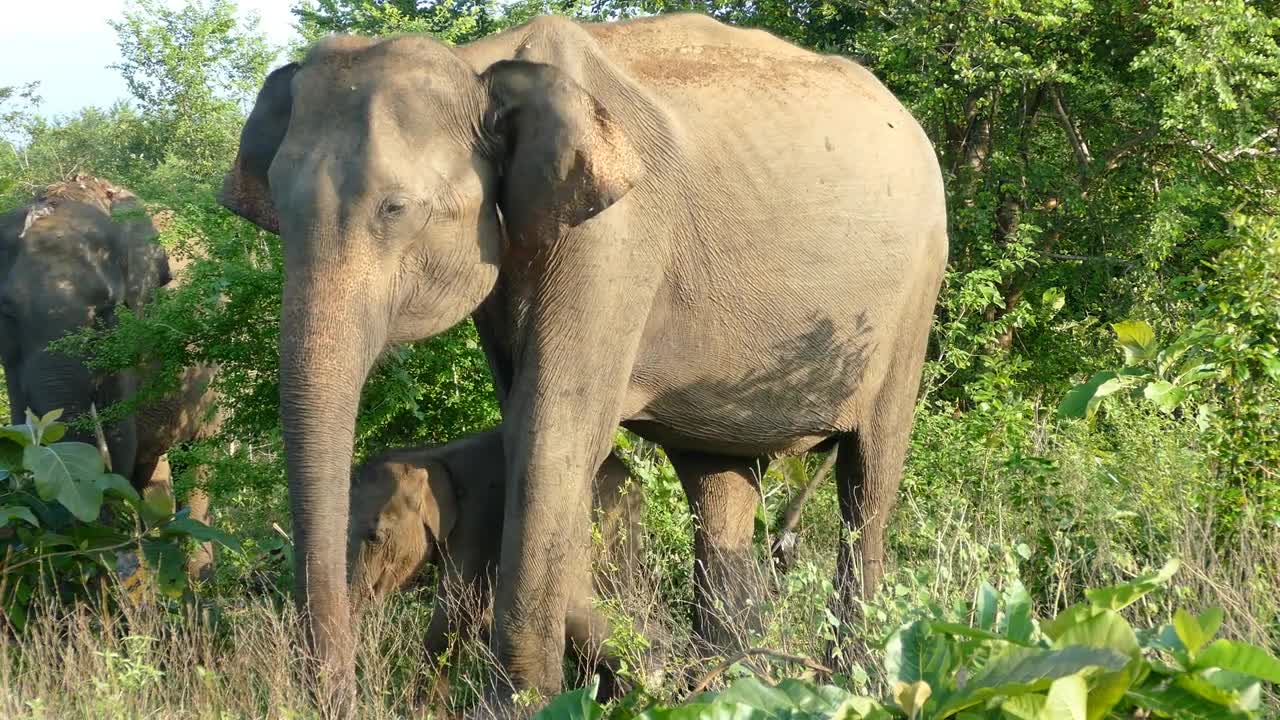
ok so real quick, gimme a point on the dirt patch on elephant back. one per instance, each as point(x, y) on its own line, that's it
point(89, 190)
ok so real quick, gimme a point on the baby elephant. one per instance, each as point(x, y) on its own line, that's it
point(444, 505)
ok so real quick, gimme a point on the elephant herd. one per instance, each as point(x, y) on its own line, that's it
point(727, 244)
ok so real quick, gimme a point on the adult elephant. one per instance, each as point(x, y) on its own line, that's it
point(69, 259)
point(729, 244)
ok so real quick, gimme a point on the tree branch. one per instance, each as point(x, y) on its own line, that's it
point(1084, 159)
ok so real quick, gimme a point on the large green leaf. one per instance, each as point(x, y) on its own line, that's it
point(1080, 401)
point(17, 512)
point(984, 605)
point(703, 711)
point(158, 504)
point(577, 704)
point(168, 564)
point(790, 698)
point(1068, 699)
point(60, 471)
point(915, 653)
point(1118, 597)
point(1240, 658)
point(1023, 707)
point(21, 435)
point(198, 530)
point(1176, 702)
point(1017, 605)
point(117, 485)
point(1106, 629)
point(1187, 626)
point(1137, 340)
point(1164, 395)
point(1021, 670)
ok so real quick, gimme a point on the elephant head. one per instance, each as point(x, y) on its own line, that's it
point(402, 508)
point(69, 260)
point(400, 181)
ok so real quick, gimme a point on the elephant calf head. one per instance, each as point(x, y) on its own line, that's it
point(402, 507)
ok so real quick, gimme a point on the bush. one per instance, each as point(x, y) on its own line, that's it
point(69, 526)
point(999, 661)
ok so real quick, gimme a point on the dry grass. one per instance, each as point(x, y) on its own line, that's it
point(1083, 527)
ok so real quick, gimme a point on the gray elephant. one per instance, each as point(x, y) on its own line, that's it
point(69, 259)
point(444, 506)
point(726, 243)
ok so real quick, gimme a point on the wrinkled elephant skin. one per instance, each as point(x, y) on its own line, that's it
point(729, 244)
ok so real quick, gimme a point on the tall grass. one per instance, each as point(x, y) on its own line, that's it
point(1060, 510)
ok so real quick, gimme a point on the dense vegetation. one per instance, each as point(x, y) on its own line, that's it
point(1102, 392)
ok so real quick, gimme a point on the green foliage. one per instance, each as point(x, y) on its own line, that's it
point(1226, 365)
point(191, 69)
point(1086, 662)
point(67, 523)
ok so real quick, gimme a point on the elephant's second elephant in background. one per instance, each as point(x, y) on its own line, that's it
point(79, 251)
point(444, 506)
point(726, 243)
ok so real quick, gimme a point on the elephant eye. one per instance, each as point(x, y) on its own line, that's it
point(394, 207)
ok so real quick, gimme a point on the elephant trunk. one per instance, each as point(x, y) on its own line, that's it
point(54, 381)
point(329, 339)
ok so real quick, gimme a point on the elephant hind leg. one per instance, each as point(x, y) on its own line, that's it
point(869, 465)
point(723, 495)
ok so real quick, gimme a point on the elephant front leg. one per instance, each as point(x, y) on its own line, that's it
point(723, 495)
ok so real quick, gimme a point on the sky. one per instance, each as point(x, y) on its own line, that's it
point(67, 46)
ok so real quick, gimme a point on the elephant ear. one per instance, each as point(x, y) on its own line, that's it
point(438, 503)
point(245, 190)
point(145, 263)
point(564, 158)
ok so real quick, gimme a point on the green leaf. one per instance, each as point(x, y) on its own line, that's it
point(787, 697)
point(1164, 395)
point(199, 531)
point(58, 470)
point(577, 704)
point(167, 563)
point(157, 504)
point(1137, 339)
point(985, 606)
point(1118, 597)
point(914, 653)
point(972, 633)
point(1106, 629)
point(48, 419)
point(1023, 707)
point(1068, 699)
point(1054, 298)
point(1176, 702)
point(1020, 670)
point(700, 711)
point(53, 433)
point(10, 456)
point(17, 512)
point(1080, 401)
point(17, 434)
point(1211, 621)
point(118, 486)
point(1067, 619)
point(1240, 658)
point(1017, 605)
point(1187, 626)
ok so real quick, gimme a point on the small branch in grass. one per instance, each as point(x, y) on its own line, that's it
point(62, 553)
point(720, 669)
point(791, 516)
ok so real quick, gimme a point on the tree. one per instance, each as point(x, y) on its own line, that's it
point(193, 72)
